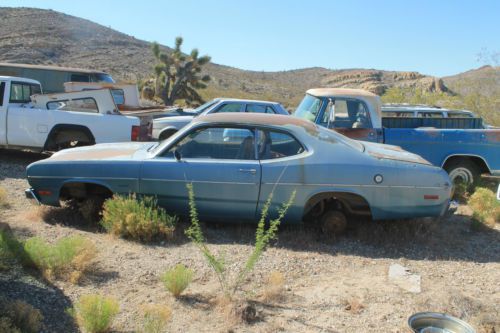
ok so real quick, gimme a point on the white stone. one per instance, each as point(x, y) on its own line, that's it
point(401, 276)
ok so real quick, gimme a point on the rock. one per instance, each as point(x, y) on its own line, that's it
point(401, 276)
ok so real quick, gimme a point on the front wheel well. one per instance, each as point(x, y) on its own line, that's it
point(349, 203)
point(82, 190)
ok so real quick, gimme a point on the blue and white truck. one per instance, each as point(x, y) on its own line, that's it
point(458, 145)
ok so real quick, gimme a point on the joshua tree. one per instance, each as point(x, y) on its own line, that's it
point(178, 76)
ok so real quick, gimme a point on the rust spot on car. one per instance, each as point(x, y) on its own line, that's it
point(93, 154)
point(354, 133)
point(492, 135)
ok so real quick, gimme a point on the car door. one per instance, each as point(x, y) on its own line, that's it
point(284, 170)
point(3, 114)
point(225, 174)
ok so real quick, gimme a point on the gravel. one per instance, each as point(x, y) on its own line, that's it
point(459, 269)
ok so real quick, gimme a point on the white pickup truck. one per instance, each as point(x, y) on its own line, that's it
point(33, 121)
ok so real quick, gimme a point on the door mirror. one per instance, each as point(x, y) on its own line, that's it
point(330, 108)
point(177, 155)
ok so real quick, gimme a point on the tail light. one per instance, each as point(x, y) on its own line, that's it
point(134, 135)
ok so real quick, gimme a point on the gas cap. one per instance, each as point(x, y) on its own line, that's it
point(378, 179)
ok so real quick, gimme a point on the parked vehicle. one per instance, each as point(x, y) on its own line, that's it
point(423, 111)
point(166, 126)
point(333, 176)
point(30, 120)
point(53, 78)
point(463, 153)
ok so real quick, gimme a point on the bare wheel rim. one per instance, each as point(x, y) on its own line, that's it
point(462, 174)
point(333, 223)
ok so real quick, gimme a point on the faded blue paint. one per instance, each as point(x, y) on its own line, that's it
point(330, 163)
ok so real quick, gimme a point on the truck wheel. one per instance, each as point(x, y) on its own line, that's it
point(333, 223)
point(463, 171)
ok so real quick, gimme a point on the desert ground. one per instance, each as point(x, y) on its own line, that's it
point(330, 285)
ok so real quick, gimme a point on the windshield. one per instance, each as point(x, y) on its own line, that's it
point(205, 106)
point(308, 108)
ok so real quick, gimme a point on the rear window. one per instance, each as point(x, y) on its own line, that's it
point(21, 92)
point(78, 105)
point(80, 78)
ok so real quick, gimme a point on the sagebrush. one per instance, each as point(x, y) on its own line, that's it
point(19, 316)
point(3, 198)
point(95, 313)
point(68, 258)
point(177, 279)
point(137, 218)
point(155, 318)
point(275, 287)
point(485, 206)
point(262, 238)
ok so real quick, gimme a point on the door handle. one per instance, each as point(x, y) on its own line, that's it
point(252, 171)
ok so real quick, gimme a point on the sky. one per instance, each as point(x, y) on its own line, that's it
point(437, 38)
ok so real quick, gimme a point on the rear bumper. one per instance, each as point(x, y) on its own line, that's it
point(30, 194)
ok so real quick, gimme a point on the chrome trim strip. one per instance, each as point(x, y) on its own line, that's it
point(196, 181)
point(89, 178)
point(356, 185)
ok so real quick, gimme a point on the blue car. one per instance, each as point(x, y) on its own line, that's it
point(334, 177)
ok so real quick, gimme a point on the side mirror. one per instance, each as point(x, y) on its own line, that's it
point(331, 109)
point(177, 155)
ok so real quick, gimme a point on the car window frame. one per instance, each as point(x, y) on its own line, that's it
point(283, 131)
point(172, 144)
point(322, 112)
point(221, 105)
point(71, 100)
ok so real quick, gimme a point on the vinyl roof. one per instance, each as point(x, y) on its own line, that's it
point(254, 119)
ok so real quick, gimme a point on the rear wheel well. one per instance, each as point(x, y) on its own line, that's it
point(80, 191)
point(477, 161)
point(62, 133)
point(349, 203)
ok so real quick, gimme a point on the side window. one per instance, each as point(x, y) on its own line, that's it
point(21, 92)
point(231, 107)
point(273, 144)
point(348, 114)
point(79, 105)
point(118, 96)
point(79, 78)
point(258, 108)
point(2, 92)
point(430, 115)
point(217, 143)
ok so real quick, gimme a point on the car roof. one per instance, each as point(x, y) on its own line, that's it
point(52, 68)
point(224, 99)
point(259, 119)
point(19, 79)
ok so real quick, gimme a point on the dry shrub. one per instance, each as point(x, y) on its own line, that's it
point(138, 219)
point(177, 279)
point(485, 207)
point(3, 198)
point(155, 318)
point(275, 287)
point(10, 248)
point(18, 316)
point(95, 313)
point(68, 258)
point(236, 311)
point(353, 305)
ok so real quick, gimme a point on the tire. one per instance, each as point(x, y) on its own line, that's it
point(165, 135)
point(65, 140)
point(333, 223)
point(91, 207)
point(463, 171)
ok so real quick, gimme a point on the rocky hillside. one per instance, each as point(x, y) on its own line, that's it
point(484, 80)
point(50, 37)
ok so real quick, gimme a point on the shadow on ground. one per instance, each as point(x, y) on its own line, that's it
point(48, 299)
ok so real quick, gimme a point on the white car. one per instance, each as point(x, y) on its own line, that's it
point(33, 121)
point(166, 126)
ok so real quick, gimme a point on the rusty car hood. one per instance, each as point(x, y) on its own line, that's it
point(104, 151)
point(390, 152)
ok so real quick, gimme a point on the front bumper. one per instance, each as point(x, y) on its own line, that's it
point(30, 194)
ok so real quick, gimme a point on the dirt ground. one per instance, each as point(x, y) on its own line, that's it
point(337, 285)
